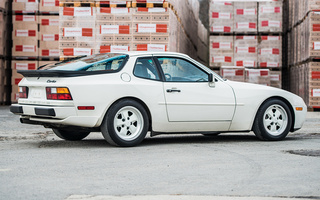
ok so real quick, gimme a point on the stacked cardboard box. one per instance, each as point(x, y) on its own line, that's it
point(233, 73)
point(246, 51)
point(120, 26)
point(304, 50)
point(255, 28)
point(221, 51)
point(3, 50)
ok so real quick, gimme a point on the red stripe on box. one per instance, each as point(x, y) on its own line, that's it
point(252, 25)
point(264, 23)
point(216, 45)
point(277, 9)
point(316, 27)
point(240, 63)
point(251, 49)
point(227, 29)
point(68, 11)
point(161, 28)
point(45, 52)
point(142, 47)
point(56, 37)
point(215, 15)
point(315, 75)
point(141, 9)
point(19, 47)
point(276, 51)
point(68, 52)
point(19, 17)
point(240, 11)
point(57, 3)
point(239, 37)
point(105, 10)
point(263, 64)
point(32, 33)
point(228, 59)
point(264, 37)
point(45, 22)
point(239, 72)
point(105, 49)
point(31, 66)
point(124, 29)
point(264, 73)
point(87, 32)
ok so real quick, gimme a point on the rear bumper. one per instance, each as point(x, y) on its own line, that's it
point(53, 115)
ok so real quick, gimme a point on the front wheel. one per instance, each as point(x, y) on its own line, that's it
point(70, 135)
point(125, 124)
point(273, 121)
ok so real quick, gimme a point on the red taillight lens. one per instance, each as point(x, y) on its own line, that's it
point(23, 92)
point(54, 93)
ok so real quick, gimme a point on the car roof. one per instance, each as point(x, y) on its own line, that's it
point(142, 53)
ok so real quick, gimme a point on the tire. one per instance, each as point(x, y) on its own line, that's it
point(273, 121)
point(125, 124)
point(71, 135)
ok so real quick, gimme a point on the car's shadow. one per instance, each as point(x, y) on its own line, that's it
point(155, 141)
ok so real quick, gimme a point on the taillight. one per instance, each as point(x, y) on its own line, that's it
point(58, 93)
point(23, 92)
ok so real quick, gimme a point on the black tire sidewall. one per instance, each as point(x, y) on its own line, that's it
point(109, 126)
point(264, 134)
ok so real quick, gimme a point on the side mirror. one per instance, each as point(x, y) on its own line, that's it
point(211, 80)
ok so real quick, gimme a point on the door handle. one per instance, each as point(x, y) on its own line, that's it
point(173, 90)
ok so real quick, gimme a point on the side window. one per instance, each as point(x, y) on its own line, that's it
point(146, 68)
point(114, 64)
point(179, 70)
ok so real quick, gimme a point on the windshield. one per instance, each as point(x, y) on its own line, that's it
point(99, 62)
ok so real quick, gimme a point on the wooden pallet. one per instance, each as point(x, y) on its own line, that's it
point(150, 5)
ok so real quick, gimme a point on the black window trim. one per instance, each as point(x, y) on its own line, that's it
point(161, 78)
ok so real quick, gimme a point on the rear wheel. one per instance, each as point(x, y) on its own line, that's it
point(126, 124)
point(273, 120)
point(71, 135)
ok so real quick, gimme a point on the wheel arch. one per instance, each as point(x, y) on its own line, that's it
point(137, 100)
point(283, 100)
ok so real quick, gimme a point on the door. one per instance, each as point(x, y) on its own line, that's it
point(190, 98)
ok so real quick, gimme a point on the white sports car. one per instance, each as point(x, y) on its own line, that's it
point(127, 95)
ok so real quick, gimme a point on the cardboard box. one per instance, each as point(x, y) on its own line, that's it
point(233, 73)
point(257, 76)
point(245, 17)
point(26, 6)
point(270, 16)
point(49, 6)
point(270, 51)
point(25, 47)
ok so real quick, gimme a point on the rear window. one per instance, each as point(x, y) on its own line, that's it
point(99, 62)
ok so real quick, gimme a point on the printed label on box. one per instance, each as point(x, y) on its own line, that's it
point(109, 29)
point(25, 66)
point(246, 37)
point(225, 29)
point(147, 28)
point(50, 22)
point(316, 46)
point(246, 25)
point(118, 2)
point(270, 37)
point(221, 3)
point(246, 12)
point(269, 51)
point(156, 47)
point(72, 32)
point(26, 18)
point(269, 64)
point(156, 10)
point(50, 37)
point(118, 49)
point(155, 1)
point(246, 63)
point(220, 59)
point(268, 10)
point(50, 52)
point(82, 11)
point(276, 24)
point(275, 77)
point(228, 72)
point(82, 51)
point(315, 92)
point(222, 45)
point(245, 50)
point(25, 33)
point(49, 3)
point(221, 15)
point(26, 48)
